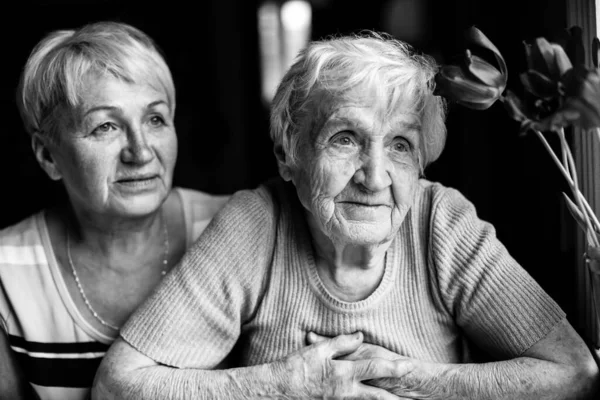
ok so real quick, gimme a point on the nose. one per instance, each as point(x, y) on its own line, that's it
point(374, 172)
point(137, 150)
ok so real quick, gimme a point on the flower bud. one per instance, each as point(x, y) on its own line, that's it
point(474, 82)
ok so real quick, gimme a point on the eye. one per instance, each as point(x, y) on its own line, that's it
point(104, 128)
point(343, 139)
point(401, 145)
point(157, 120)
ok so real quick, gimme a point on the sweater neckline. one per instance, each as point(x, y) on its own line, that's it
point(331, 301)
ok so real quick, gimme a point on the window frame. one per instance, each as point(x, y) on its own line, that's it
point(586, 14)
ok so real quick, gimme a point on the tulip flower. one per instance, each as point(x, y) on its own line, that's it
point(547, 63)
point(474, 81)
point(582, 96)
point(559, 91)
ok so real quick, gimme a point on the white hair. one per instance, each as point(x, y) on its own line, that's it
point(55, 74)
point(369, 60)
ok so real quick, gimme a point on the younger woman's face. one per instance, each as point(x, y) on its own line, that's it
point(119, 157)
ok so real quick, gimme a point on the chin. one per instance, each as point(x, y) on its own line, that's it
point(365, 234)
point(139, 206)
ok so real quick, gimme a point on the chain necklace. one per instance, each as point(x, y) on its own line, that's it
point(85, 299)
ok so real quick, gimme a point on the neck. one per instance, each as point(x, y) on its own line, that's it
point(351, 271)
point(117, 242)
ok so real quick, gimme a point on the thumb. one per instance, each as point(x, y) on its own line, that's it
point(312, 338)
point(342, 345)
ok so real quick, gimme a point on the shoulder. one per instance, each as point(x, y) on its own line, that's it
point(256, 205)
point(442, 204)
point(248, 218)
point(201, 204)
point(22, 256)
point(20, 237)
point(437, 194)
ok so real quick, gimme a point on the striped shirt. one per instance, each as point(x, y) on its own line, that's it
point(57, 349)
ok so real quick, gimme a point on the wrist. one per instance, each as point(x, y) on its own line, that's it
point(264, 381)
point(279, 378)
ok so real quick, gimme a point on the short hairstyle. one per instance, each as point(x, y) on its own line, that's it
point(54, 76)
point(338, 64)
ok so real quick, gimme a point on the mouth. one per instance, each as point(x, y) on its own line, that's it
point(364, 204)
point(137, 181)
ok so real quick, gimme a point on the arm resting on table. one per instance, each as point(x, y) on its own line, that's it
point(311, 372)
point(559, 366)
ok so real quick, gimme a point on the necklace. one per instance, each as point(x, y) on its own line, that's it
point(80, 287)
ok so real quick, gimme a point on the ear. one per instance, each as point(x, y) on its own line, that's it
point(44, 157)
point(283, 164)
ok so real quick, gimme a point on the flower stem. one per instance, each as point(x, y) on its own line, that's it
point(588, 209)
point(578, 196)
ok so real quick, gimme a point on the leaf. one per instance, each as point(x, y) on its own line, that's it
point(475, 36)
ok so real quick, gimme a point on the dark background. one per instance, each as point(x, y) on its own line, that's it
point(212, 48)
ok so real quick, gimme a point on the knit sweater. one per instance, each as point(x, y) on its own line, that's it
point(449, 287)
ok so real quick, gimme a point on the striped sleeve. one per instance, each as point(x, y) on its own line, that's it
point(194, 318)
point(493, 299)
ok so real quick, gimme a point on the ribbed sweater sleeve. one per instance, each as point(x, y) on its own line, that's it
point(193, 320)
point(493, 299)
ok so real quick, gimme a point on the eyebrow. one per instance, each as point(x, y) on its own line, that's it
point(115, 108)
point(413, 126)
point(345, 121)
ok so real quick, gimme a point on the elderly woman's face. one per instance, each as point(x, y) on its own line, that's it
point(119, 156)
point(358, 169)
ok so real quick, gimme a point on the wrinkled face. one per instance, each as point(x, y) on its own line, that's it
point(357, 171)
point(119, 157)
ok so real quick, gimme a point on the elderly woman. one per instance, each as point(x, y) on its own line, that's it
point(99, 104)
point(350, 277)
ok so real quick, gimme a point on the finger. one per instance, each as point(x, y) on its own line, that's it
point(371, 392)
point(376, 368)
point(313, 338)
point(341, 345)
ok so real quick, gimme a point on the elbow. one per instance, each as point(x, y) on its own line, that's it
point(588, 380)
point(108, 383)
point(101, 389)
point(116, 376)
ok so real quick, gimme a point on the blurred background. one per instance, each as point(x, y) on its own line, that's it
point(227, 57)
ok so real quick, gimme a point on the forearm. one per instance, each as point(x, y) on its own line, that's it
point(520, 378)
point(177, 384)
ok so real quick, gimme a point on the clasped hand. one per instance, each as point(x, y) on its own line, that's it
point(342, 367)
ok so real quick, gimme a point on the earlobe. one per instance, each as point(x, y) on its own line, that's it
point(283, 166)
point(44, 157)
